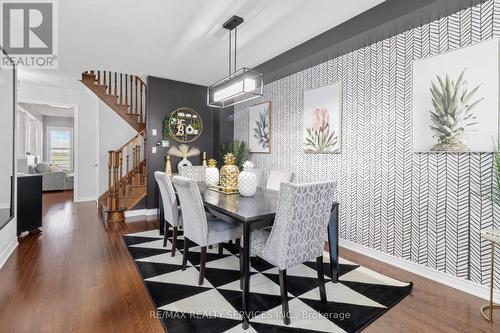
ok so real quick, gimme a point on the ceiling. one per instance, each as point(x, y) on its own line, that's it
point(47, 110)
point(183, 40)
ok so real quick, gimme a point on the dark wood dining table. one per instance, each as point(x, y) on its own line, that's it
point(257, 212)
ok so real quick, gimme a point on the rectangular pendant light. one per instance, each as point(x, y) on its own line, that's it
point(241, 86)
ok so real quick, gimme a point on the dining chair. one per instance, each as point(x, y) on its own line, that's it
point(298, 234)
point(258, 174)
point(277, 177)
point(197, 227)
point(194, 172)
point(172, 213)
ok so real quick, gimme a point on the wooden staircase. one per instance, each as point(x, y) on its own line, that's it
point(127, 172)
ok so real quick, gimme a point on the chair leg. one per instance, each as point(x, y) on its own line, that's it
point(203, 259)
point(165, 234)
point(284, 297)
point(174, 241)
point(321, 279)
point(220, 249)
point(184, 255)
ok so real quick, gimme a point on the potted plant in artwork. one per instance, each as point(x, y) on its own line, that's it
point(320, 138)
point(212, 173)
point(247, 180)
point(183, 151)
point(453, 116)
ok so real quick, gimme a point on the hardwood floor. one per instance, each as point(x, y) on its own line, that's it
point(74, 276)
point(77, 276)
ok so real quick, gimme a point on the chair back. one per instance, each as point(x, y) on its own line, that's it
point(258, 174)
point(194, 172)
point(168, 198)
point(276, 178)
point(193, 212)
point(300, 226)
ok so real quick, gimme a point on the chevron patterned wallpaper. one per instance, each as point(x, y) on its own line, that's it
point(425, 208)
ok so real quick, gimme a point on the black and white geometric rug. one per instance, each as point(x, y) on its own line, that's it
point(358, 299)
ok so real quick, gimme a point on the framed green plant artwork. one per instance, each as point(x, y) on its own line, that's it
point(259, 128)
point(455, 100)
point(322, 110)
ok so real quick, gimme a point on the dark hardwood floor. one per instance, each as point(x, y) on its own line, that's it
point(74, 276)
point(77, 276)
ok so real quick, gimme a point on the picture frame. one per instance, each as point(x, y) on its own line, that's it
point(259, 128)
point(456, 100)
point(322, 120)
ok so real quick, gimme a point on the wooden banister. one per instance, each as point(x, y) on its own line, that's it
point(126, 94)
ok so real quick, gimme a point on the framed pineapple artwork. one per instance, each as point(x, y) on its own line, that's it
point(259, 128)
point(321, 119)
point(455, 100)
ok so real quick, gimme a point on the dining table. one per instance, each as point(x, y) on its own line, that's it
point(255, 212)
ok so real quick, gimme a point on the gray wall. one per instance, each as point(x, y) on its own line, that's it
point(56, 122)
point(425, 208)
point(164, 96)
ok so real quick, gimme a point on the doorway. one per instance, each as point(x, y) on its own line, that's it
point(46, 144)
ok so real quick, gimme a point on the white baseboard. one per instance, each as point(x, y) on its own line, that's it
point(141, 212)
point(7, 252)
point(429, 273)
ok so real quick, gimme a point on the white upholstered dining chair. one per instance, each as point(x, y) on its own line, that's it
point(298, 234)
point(197, 227)
point(196, 172)
point(172, 213)
point(277, 177)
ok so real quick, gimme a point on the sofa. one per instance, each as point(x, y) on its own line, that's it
point(53, 178)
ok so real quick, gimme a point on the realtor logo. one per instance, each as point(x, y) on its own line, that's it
point(29, 32)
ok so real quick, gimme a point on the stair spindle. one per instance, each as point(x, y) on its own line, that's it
point(104, 77)
point(109, 83)
point(131, 106)
point(98, 76)
point(135, 110)
point(120, 97)
point(126, 89)
point(116, 81)
point(140, 113)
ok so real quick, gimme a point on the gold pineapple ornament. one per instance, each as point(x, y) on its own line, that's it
point(229, 174)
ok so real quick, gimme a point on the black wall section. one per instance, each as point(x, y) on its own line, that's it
point(223, 130)
point(164, 96)
point(385, 20)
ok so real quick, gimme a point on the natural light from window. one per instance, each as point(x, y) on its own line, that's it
point(61, 147)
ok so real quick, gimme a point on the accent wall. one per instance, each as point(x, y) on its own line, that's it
point(165, 96)
point(427, 208)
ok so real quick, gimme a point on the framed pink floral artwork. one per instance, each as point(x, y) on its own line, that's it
point(322, 110)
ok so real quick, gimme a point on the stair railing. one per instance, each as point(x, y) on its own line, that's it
point(126, 169)
point(130, 90)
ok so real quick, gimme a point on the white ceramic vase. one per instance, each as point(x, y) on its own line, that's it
point(184, 162)
point(247, 183)
point(211, 176)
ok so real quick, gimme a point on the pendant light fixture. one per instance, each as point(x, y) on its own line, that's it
point(239, 86)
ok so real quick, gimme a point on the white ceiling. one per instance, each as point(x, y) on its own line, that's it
point(47, 110)
point(183, 39)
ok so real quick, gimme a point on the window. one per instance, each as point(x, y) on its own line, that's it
point(60, 146)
